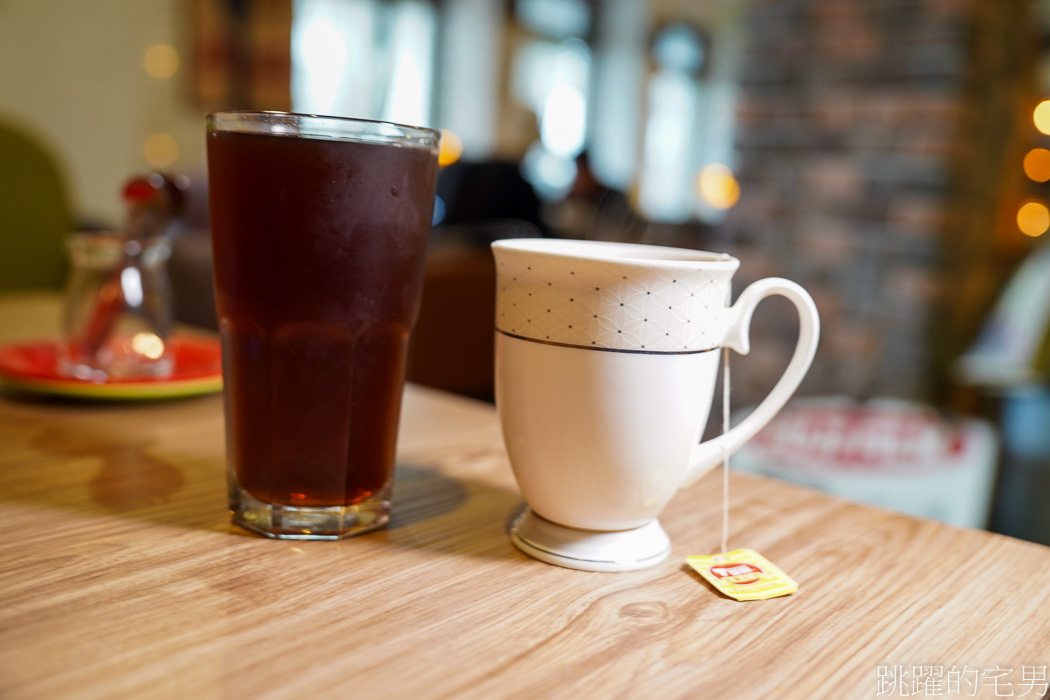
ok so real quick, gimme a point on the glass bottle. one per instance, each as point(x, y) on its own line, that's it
point(118, 310)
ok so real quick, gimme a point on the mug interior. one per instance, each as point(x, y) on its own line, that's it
point(616, 252)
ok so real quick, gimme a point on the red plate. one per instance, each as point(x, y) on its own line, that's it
point(33, 366)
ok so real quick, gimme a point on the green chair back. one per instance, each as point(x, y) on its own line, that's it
point(35, 215)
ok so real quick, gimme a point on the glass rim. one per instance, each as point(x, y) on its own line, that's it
point(279, 123)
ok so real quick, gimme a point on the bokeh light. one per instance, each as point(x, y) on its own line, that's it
point(161, 150)
point(161, 61)
point(148, 345)
point(1041, 116)
point(451, 148)
point(1033, 218)
point(1037, 164)
point(716, 185)
point(563, 123)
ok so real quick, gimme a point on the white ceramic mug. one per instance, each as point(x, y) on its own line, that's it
point(606, 363)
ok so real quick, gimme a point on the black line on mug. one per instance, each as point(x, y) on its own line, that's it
point(584, 347)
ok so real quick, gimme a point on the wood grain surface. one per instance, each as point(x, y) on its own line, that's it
point(121, 577)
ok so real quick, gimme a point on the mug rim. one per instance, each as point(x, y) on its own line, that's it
point(620, 253)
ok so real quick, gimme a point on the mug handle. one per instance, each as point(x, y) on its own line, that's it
point(707, 455)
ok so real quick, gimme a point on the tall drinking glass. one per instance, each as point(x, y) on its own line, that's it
point(319, 228)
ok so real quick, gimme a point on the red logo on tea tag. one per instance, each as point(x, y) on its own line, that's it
point(741, 574)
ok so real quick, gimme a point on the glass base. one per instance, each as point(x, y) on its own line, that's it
point(296, 523)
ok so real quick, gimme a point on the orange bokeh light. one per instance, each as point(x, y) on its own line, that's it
point(1037, 164)
point(451, 148)
point(161, 150)
point(1033, 219)
point(161, 61)
point(716, 185)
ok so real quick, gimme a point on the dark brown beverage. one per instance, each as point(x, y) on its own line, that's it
point(319, 249)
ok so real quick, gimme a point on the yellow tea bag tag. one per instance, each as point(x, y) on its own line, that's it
point(743, 574)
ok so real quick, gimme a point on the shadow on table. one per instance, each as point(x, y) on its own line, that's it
point(439, 513)
point(449, 514)
point(110, 459)
point(76, 461)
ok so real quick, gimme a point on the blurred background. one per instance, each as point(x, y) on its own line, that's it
point(892, 157)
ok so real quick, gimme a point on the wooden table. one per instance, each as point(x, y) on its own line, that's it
point(120, 577)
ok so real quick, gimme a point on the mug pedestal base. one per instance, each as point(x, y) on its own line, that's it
point(590, 550)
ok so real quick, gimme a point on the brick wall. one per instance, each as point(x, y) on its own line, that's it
point(877, 140)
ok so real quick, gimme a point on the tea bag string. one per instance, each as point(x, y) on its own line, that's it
point(725, 449)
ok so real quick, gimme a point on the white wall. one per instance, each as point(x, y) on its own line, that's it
point(72, 72)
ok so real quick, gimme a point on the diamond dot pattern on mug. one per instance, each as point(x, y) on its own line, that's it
point(620, 305)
